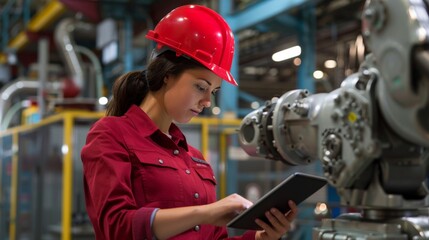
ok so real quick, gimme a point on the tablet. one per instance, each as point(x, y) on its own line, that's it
point(297, 187)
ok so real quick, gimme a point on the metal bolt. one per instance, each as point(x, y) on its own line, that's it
point(337, 100)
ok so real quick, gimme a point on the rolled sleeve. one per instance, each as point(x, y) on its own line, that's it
point(141, 230)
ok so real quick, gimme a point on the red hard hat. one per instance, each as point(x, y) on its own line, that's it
point(200, 33)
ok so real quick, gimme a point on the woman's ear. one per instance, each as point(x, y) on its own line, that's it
point(166, 77)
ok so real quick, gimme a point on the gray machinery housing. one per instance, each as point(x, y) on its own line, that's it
point(371, 134)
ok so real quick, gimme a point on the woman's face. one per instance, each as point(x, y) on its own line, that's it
point(188, 94)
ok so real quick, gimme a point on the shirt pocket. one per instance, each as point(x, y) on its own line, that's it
point(157, 178)
point(206, 174)
point(204, 170)
point(208, 182)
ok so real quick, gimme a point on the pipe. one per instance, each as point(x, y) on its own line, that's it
point(66, 45)
point(11, 112)
point(24, 87)
point(16, 87)
point(43, 61)
point(97, 67)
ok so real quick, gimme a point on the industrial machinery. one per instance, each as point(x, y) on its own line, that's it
point(371, 134)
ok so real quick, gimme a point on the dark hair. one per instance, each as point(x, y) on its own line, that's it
point(132, 87)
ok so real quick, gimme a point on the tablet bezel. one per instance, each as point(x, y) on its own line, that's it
point(297, 187)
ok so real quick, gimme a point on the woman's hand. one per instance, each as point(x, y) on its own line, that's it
point(280, 223)
point(221, 212)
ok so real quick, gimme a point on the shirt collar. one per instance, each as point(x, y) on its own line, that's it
point(146, 127)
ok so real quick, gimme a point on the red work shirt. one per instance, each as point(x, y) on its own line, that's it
point(131, 169)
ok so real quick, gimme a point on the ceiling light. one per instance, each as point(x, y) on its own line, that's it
point(255, 105)
point(330, 64)
point(216, 111)
point(318, 74)
point(103, 100)
point(287, 54)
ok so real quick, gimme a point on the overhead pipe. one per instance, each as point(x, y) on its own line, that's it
point(22, 88)
point(15, 88)
point(14, 109)
point(66, 45)
point(97, 68)
point(51, 12)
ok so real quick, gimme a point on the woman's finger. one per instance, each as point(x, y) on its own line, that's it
point(266, 227)
point(290, 216)
point(279, 220)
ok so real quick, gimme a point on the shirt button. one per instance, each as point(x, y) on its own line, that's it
point(187, 171)
point(160, 161)
point(176, 152)
point(214, 177)
point(197, 228)
point(196, 195)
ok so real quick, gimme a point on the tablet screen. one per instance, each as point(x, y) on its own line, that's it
point(297, 187)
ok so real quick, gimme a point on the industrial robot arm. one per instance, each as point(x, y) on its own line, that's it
point(372, 133)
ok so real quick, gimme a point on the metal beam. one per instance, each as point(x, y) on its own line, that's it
point(51, 12)
point(290, 21)
point(3, 58)
point(260, 12)
point(228, 97)
point(46, 16)
point(19, 41)
point(307, 38)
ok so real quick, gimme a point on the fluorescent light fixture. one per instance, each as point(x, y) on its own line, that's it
point(288, 53)
point(110, 52)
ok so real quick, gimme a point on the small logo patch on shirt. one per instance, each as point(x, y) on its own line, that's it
point(199, 160)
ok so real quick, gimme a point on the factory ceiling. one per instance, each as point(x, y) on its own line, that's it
point(335, 26)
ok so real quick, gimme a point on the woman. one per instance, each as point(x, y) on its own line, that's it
point(142, 180)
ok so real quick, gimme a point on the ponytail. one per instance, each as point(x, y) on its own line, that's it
point(128, 89)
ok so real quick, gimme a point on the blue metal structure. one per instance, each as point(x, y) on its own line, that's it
point(9, 18)
point(307, 41)
point(255, 16)
point(303, 27)
point(128, 59)
point(248, 98)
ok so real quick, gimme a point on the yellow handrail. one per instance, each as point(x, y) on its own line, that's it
point(14, 188)
point(69, 118)
point(67, 177)
point(223, 157)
